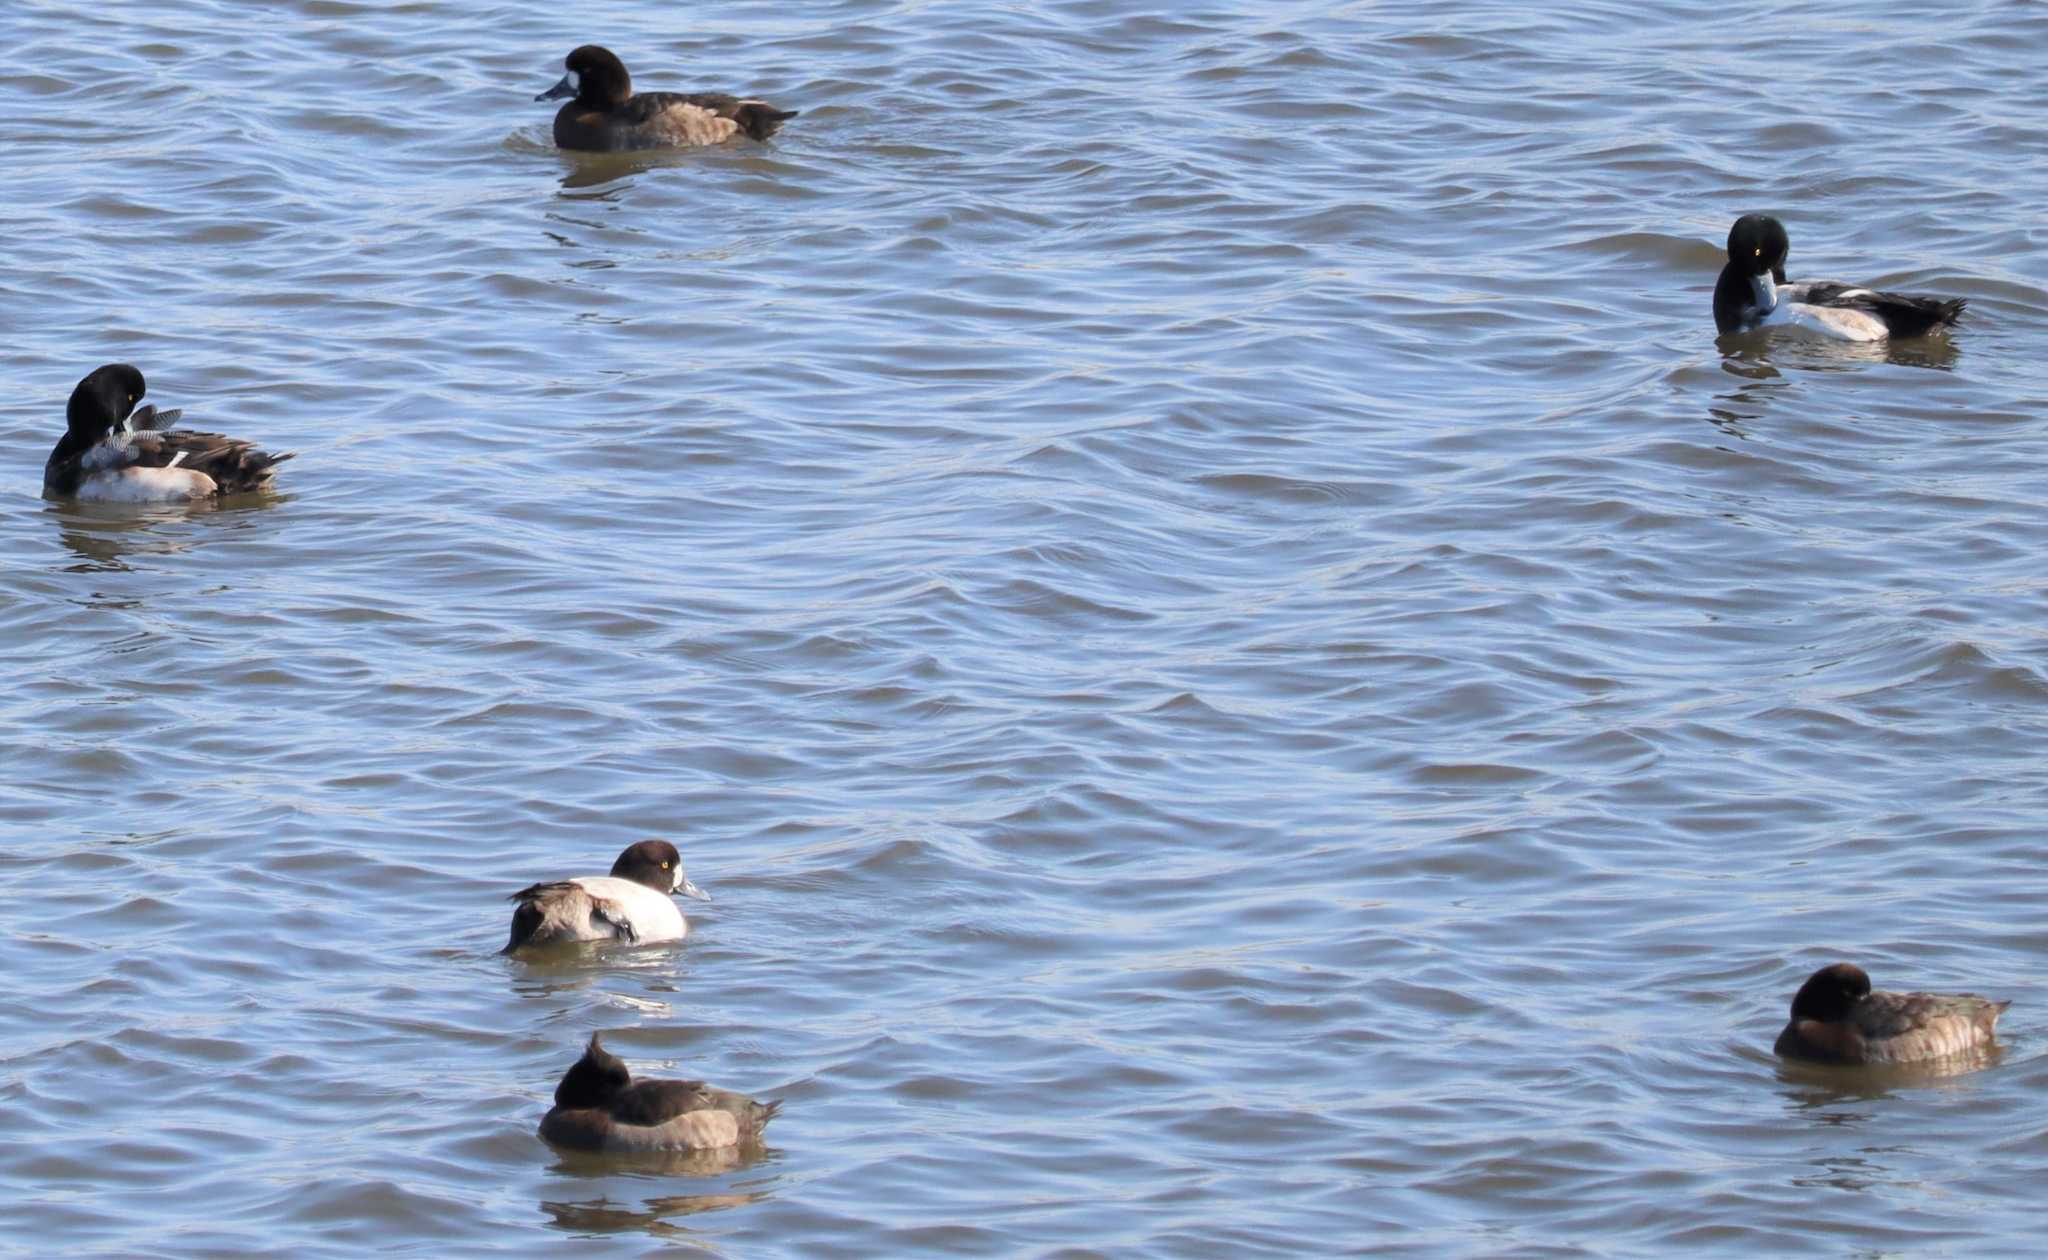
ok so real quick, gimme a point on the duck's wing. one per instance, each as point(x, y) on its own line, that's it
point(234, 465)
point(147, 417)
point(691, 1114)
point(1904, 314)
point(1901, 1026)
point(565, 910)
point(677, 110)
point(658, 1102)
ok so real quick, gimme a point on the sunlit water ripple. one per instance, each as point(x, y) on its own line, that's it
point(1246, 673)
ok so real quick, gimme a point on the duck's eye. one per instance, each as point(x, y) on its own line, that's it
point(664, 866)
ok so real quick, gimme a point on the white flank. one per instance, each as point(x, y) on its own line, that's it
point(147, 485)
point(654, 915)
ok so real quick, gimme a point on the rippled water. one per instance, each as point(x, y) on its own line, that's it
point(1246, 673)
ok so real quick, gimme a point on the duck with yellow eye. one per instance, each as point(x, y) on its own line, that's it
point(113, 451)
point(1753, 293)
point(635, 903)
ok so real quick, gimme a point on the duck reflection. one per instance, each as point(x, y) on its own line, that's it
point(1749, 354)
point(1818, 1085)
point(655, 1216)
point(1756, 360)
point(103, 536)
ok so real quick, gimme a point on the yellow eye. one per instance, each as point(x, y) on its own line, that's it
point(664, 866)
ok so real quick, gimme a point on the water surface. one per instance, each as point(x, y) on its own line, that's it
point(1248, 676)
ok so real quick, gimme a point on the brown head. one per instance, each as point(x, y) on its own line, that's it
point(656, 864)
point(1831, 993)
point(593, 1080)
point(596, 78)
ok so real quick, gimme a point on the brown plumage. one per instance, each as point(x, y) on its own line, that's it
point(607, 116)
point(1837, 1018)
point(600, 1107)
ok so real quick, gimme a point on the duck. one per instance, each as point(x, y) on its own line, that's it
point(606, 116)
point(634, 903)
point(1837, 1018)
point(113, 451)
point(600, 1107)
point(1752, 293)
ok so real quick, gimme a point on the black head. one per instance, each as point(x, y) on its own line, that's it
point(593, 1080)
point(596, 78)
point(102, 400)
point(1831, 993)
point(1757, 243)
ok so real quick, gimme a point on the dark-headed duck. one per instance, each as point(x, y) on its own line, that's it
point(113, 451)
point(1752, 293)
point(1836, 1018)
point(607, 116)
point(633, 903)
point(600, 1107)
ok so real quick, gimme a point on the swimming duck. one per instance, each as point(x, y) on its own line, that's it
point(607, 117)
point(1836, 1018)
point(600, 1107)
point(1752, 293)
point(630, 904)
point(116, 452)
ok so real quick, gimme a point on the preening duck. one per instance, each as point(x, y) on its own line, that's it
point(113, 451)
point(1753, 293)
point(600, 1107)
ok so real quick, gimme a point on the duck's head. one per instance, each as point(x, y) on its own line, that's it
point(656, 864)
point(595, 78)
point(1831, 993)
point(1757, 243)
point(593, 1080)
point(102, 400)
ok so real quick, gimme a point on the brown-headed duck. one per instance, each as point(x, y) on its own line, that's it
point(1752, 293)
point(1837, 1018)
point(607, 116)
point(600, 1107)
point(633, 903)
point(113, 451)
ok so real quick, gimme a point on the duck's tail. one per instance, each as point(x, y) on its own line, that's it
point(1907, 315)
point(761, 120)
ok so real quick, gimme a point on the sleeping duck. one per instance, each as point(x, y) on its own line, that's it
point(1752, 293)
point(606, 116)
point(1836, 1018)
point(633, 903)
point(600, 1107)
point(113, 451)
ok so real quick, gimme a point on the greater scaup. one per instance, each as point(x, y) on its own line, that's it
point(1752, 293)
point(606, 115)
point(1836, 1018)
point(630, 904)
point(115, 452)
point(600, 1107)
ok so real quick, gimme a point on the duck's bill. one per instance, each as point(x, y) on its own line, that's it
point(567, 87)
point(1766, 292)
point(690, 889)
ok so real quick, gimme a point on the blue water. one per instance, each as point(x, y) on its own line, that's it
point(1246, 673)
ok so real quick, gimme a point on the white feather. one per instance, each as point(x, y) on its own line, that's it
point(149, 485)
point(654, 915)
